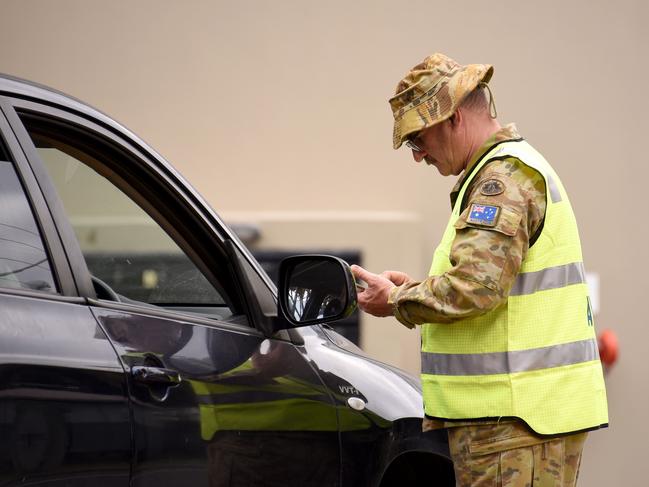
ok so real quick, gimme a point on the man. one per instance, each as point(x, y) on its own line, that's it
point(509, 356)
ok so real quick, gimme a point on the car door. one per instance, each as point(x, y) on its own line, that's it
point(64, 417)
point(213, 401)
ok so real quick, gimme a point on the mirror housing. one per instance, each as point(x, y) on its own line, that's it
point(315, 289)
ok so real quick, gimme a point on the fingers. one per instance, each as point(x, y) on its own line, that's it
point(361, 273)
point(374, 299)
point(391, 275)
point(396, 277)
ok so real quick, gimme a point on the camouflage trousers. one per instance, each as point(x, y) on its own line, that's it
point(509, 454)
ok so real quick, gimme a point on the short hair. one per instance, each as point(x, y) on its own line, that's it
point(476, 100)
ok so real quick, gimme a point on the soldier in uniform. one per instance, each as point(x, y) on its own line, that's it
point(509, 357)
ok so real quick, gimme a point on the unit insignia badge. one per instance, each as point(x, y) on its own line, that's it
point(492, 187)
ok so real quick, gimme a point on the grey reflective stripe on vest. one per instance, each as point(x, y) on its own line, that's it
point(555, 194)
point(550, 278)
point(509, 362)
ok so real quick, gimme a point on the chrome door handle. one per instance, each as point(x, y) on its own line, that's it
point(156, 375)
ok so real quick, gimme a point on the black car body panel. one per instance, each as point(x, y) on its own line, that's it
point(104, 390)
point(64, 410)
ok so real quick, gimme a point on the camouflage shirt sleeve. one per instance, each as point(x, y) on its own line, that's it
point(485, 260)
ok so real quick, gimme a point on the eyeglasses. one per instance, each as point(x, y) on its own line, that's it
point(411, 144)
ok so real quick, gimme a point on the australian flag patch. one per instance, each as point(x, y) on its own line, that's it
point(486, 215)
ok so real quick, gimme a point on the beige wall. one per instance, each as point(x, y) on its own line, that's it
point(276, 111)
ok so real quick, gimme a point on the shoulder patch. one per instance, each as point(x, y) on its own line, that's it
point(486, 215)
point(492, 187)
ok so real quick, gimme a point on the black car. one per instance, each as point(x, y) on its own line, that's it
point(195, 372)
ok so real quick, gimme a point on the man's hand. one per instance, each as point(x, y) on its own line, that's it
point(396, 277)
point(374, 299)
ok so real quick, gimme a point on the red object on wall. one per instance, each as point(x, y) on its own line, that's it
point(608, 347)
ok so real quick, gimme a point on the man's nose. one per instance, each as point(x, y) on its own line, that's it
point(418, 156)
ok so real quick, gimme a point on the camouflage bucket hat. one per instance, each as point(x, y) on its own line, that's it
point(431, 92)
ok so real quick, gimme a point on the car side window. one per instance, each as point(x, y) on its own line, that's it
point(130, 256)
point(24, 262)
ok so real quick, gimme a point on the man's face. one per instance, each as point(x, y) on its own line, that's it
point(441, 146)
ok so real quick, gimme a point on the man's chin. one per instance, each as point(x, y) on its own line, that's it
point(432, 162)
point(443, 170)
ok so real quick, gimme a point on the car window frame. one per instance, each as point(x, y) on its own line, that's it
point(213, 236)
point(67, 286)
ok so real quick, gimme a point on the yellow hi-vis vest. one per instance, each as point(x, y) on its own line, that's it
point(535, 357)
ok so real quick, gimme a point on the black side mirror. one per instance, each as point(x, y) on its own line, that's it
point(315, 289)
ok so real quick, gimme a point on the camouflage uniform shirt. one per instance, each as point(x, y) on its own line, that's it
point(485, 260)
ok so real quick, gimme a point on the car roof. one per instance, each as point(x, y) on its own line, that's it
point(30, 90)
